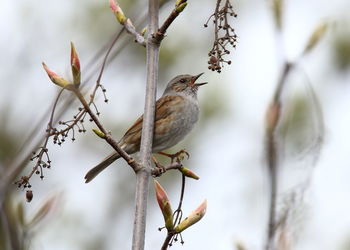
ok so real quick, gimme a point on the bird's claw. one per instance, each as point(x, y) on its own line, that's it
point(178, 156)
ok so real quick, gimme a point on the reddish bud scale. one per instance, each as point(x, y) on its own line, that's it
point(114, 6)
point(75, 64)
point(164, 204)
point(57, 79)
point(118, 12)
point(74, 59)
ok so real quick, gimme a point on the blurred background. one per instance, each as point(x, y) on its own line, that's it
point(227, 146)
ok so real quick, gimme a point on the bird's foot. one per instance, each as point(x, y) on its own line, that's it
point(178, 156)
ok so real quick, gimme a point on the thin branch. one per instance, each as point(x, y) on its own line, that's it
point(131, 29)
point(156, 172)
point(126, 22)
point(98, 81)
point(135, 166)
point(178, 211)
point(159, 35)
point(167, 240)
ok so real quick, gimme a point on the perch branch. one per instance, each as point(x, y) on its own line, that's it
point(142, 176)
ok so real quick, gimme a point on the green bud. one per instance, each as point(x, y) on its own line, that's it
point(99, 133)
point(188, 173)
point(143, 31)
point(193, 218)
point(181, 7)
point(316, 36)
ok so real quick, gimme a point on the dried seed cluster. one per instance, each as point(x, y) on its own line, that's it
point(59, 135)
point(225, 35)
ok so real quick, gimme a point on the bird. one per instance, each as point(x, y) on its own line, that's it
point(176, 113)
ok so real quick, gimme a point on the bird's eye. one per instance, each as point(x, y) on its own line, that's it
point(183, 80)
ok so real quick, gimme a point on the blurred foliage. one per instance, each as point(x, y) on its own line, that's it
point(9, 138)
point(294, 126)
point(97, 14)
point(302, 127)
point(278, 8)
point(341, 50)
point(345, 245)
point(17, 228)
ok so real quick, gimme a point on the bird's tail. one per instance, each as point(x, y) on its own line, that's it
point(100, 167)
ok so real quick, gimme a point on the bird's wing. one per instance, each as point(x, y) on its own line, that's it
point(164, 110)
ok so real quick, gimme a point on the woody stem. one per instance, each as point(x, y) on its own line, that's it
point(143, 175)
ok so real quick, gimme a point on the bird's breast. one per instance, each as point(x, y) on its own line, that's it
point(177, 125)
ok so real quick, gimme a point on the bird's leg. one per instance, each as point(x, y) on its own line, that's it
point(159, 166)
point(178, 156)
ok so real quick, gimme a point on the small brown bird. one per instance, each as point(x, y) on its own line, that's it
point(176, 114)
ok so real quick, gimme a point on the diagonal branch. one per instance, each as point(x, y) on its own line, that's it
point(180, 5)
point(107, 137)
point(126, 22)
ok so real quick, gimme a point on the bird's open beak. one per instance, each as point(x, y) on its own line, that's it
point(194, 79)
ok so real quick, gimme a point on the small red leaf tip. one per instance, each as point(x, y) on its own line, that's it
point(56, 79)
point(74, 58)
point(75, 64)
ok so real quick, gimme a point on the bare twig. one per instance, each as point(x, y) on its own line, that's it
point(159, 35)
point(167, 240)
point(131, 29)
point(159, 171)
point(98, 81)
point(126, 22)
point(178, 211)
point(107, 135)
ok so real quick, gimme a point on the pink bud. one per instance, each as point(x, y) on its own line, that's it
point(74, 59)
point(164, 204)
point(114, 6)
point(118, 12)
point(75, 64)
point(55, 78)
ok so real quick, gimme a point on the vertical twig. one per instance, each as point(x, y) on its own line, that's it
point(271, 152)
point(142, 176)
